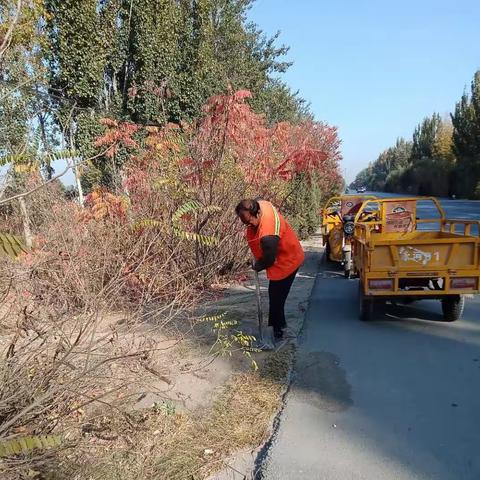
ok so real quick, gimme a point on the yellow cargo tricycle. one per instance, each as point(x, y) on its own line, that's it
point(338, 227)
point(400, 257)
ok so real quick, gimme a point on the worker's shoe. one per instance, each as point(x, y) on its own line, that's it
point(278, 333)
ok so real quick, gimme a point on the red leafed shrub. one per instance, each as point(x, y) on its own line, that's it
point(174, 223)
point(228, 154)
point(101, 204)
point(117, 134)
point(266, 156)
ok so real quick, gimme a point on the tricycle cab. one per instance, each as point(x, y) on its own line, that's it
point(333, 215)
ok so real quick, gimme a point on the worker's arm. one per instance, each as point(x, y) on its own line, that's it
point(269, 245)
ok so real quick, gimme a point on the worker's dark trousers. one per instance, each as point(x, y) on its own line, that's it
point(277, 293)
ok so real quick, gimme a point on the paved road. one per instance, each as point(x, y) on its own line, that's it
point(397, 398)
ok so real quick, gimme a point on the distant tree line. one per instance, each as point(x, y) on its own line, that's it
point(443, 157)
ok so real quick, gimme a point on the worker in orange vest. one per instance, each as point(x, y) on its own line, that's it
point(276, 249)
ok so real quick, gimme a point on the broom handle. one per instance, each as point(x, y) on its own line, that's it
point(259, 305)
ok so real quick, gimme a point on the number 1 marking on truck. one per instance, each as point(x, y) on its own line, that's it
point(412, 254)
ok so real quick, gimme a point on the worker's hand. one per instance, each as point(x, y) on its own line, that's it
point(255, 266)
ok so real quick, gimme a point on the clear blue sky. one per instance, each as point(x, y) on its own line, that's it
point(375, 68)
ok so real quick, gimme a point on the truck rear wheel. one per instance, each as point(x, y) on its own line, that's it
point(453, 307)
point(366, 305)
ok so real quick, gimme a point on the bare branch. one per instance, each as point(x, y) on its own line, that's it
point(51, 180)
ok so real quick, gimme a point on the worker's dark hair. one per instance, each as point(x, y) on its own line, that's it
point(248, 205)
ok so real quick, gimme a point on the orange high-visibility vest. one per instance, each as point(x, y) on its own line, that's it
point(289, 253)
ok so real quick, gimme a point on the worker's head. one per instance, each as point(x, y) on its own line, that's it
point(248, 212)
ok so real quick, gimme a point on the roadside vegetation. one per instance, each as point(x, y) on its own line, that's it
point(443, 157)
point(163, 114)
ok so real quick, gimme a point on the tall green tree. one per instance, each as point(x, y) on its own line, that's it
point(157, 61)
point(153, 60)
point(466, 141)
point(424, 137)
point(76, 53)
point(303, 206)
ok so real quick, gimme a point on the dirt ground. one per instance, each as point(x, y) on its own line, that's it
point(196, 376)
point(193, 375)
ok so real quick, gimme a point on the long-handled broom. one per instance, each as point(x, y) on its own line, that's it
point(264, 342)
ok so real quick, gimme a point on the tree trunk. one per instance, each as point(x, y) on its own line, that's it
point(81, 197)
point(27, 233)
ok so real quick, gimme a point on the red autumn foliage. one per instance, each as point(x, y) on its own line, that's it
point(265, 154)
point(117, 134)
point(228, 154)
point(231, 129)
point(101, 204)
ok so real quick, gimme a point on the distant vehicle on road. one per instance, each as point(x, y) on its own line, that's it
point(361, 189)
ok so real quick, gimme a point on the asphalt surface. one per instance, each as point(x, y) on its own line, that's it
point(396, 398)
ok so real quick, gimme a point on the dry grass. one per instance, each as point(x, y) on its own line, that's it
point(162, 444)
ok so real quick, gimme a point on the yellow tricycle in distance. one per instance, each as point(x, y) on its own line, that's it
point(401, 256)
point(337, 228)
